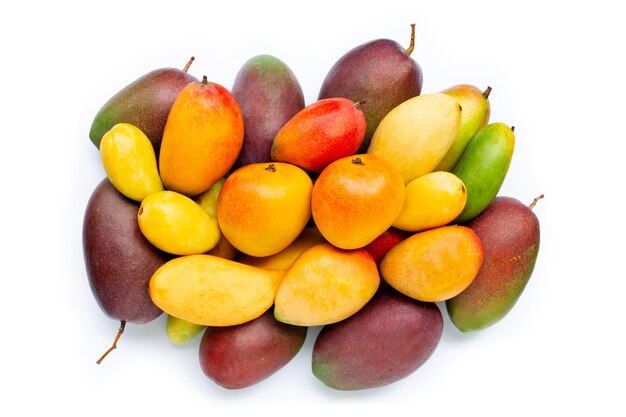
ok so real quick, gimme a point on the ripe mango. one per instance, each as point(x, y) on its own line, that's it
point(175, 224)
point(510, 234)
point(417, 134)
point(430, 201)
point(129, 161)
point(325, 285)
point(202, 138)
point(387, 340)
point(243, 355)
point(434, 265)
point(262, 208)
point(268, 94)
point(212, 291)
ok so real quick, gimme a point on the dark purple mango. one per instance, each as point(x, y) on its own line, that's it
point(243, 355)
point(509, 231)
point(268, 95)
point(144, 103)
point(382, 73)
point(118, 258)
point(387, 340)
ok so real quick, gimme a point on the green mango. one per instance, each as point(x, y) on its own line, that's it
point(144, 103)
point(180, 331)
point(483, 167)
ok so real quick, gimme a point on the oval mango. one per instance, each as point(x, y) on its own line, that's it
point(181, 331)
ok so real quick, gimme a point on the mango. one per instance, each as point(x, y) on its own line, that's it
point(208, 199)
point(319, 134)
point(355, 199)
point(262, 208)
point(510, 234)
point(202, 138)
point(379, 247)
point(325, 285)
point(240, 356)
point(474, 115)
point(181, 331)
point(434, 265)
point(417, 134)
point(268, 94)
point(382, 73)
point(483, 167)
point(282, 260)
point(212, 291)
point(387, 340)
point(175, 224)
point(430, 201)
point(144, 103)
point(129, 161)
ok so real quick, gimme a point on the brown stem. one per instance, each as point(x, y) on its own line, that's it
point(114, 346)
point(409, 50)
point(487, 92)
point(535, 201)
point(271, 168)
point(188, 64)
point(205, 80)
point(512, 128)
point(359, 103)
point(357, 161)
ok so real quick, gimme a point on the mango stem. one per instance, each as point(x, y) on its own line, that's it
point(114, 346)
point(205, 80)
point(358, 104)
point(535, 201)
point(512, 128)
point(271, 168)
point(411, 47)
point(487, 92)
point(188, 64)
point(357, 161)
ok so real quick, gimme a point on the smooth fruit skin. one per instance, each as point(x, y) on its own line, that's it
point(144, 103)
point(355, 199)
point(240, 356)
point(325, 285)
point(212, 291)
point(483, 167)
point(181, 331)
point(384, 242)
point(434, 265)
point(379, 72)
point(268, 94)
point(430, 201)
point(510, 234)
point(319, 134)
point(202, 138)
point(475, 115)
point(417, 134)
point(129, 162)
point(387, 340)
point(262, 208)
point(118, 258)
point(175, 224)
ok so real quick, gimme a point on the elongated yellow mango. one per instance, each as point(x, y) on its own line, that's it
point(129, 161)
point(417, 134)
point(212, 291)
point(175, 224)
point(432, 200)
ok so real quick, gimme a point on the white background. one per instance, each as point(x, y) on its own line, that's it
point(557, 74)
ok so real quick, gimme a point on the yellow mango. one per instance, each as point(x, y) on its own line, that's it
point(212, 291)
point(417, 134)
point(432, 200)
point(434, 265)
point(208, 199)
point(175, 224)
point(129, 161)
point(283, 259)
point(326, 285)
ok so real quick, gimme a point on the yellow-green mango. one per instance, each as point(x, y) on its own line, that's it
point(129, 161)
point(417, 134)
point(180, 331)
point(175, 224)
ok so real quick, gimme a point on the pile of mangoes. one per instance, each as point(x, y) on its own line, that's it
point(248, 216)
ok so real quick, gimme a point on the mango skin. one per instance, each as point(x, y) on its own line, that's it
point(118, 259)
point(268, 94)
point(144, 103)
point(379, 72)
point(483, 167)
point(510, 234)
point(240, 356)
point(181, 331)
point(387, 340)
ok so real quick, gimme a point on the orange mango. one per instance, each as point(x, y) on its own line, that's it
point(434, 265)
point(355, 199)
point(326, 285)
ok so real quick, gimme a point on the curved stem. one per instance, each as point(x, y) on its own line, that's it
point(535, 201)
point(188, 64)
point(114, 346)
point(487, 92)
point(409, 50)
